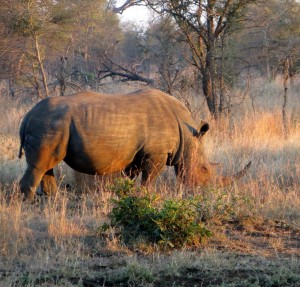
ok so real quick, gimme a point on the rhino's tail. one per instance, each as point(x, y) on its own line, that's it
point(22, 134)
point(20, 151)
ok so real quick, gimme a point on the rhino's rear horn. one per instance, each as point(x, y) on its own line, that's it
point(227, 180)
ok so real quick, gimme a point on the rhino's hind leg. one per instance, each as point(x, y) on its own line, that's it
point(42, 155)
point(48, 183)
point(30, 181)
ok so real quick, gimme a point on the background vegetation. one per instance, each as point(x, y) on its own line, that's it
point(54, 48)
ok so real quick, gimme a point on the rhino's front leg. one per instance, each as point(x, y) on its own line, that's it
point(151, 168)
point(132, 172)
point(48, 183)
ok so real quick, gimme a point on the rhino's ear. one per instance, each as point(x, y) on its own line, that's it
point(203, 128)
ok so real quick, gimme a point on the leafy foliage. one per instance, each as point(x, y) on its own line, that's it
point(170, 223)
point(181, 223)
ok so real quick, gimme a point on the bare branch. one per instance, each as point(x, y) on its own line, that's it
point(126, 5)
point(109, 68)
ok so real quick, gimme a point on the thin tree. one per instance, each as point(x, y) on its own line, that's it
point(202, 23)
point(286, 76)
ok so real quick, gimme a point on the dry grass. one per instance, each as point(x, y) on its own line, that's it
point(56, 243)
point(274, 178)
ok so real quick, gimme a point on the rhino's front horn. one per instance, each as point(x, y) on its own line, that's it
point(227, 180)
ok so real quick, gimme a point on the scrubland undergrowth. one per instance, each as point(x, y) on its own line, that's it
point(255, 223)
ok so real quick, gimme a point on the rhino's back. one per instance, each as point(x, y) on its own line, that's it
point(146, 113)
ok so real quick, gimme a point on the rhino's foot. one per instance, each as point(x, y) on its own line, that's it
point(29, 182)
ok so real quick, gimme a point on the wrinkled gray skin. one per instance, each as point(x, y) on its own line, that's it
point(93, 133)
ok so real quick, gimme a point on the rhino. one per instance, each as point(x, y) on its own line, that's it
point(139, 132)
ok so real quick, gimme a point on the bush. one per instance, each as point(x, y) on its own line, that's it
point(141, 215)
point(180, 223)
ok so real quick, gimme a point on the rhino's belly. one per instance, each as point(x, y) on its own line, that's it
point(102, 162)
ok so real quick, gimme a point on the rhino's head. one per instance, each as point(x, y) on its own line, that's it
point(198, 171)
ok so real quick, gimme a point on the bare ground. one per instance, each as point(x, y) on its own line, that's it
point(246, 253)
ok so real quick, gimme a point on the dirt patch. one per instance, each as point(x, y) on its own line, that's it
point(244, 253)
point(266, 238)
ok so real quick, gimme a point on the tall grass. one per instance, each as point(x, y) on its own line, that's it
point(60, 234)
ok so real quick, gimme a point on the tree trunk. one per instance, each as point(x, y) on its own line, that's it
point(266, 54)
point(209, 73)
point(11, 87)
point(208, 83)
point(62, 76)
point(208, 92)
point(41, 66)
point(36, 83)
point(285, 83)
point(221, 108)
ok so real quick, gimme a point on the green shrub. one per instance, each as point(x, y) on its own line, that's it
point(180, 223)
point(141, 215)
